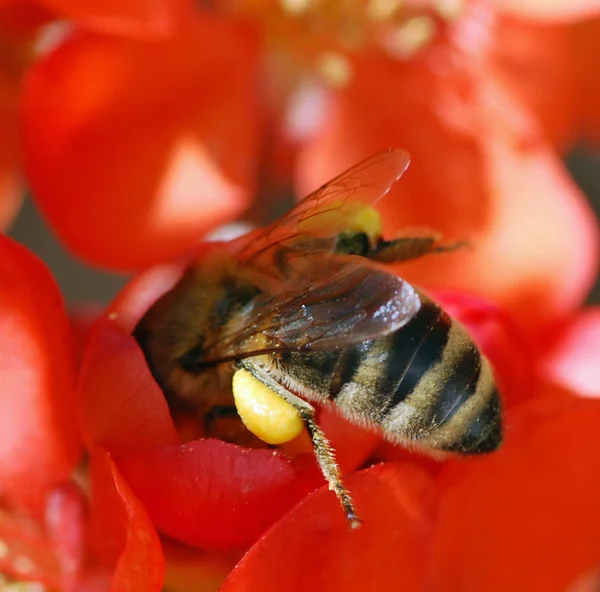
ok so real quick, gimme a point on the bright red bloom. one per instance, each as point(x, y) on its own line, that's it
point(140, 156)
point(247, 489)
point(159, 146)
point(452, 87)
point(44, 530)
point(40, 434)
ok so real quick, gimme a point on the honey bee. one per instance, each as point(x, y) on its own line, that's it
point(307, 310)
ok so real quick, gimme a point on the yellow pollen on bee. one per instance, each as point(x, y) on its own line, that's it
point(367, 220)
point(335, 68)
point(264, 413)
point(412, 36)
point(351, 216)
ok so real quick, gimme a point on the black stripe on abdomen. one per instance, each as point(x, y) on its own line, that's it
point(459, 386)
point(415, 349)
point(345, 369)
point(484, 432)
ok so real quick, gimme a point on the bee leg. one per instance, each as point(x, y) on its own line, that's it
point(328, 463)
point(322, 447)
point(410, 247)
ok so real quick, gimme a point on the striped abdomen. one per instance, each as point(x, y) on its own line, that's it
point(425, 384)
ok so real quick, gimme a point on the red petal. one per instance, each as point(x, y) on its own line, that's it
point(550, 10)
point(22, 17)
point(141, 292)
point(66, 527)
point(212, 494)
point(123, 407)
point(525, 518)
point(122, 528)
point(39, 428)
point(573, 360)
point(586, 63)
point(139, 18)
point(311, 548)
point(11, 189)
point(480, 171)
point(161, 142)
point(26, 552)
point(538, 59)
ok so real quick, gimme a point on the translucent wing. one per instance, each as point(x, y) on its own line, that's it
point(347, 300)
point(313, 225)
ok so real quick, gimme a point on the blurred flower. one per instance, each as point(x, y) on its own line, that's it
point(23, 36)
point(165, 139)
point(49, 532)
point(19, 21)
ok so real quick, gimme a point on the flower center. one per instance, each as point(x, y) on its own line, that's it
point(322, 35)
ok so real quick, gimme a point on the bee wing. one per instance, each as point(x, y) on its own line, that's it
point(315, 222)
point(338, 301)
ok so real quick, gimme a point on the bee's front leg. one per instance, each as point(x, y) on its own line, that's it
point(411, 247)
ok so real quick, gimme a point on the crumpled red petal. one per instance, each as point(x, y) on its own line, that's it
point(134, 165)
point(123, 408)
point(311, 547)
point(41, 440)
point(480, 171)
point(178, 484)
point(572, 360)
point(216, 495)
point(550, 10)
point(138, 18)
point(141, 292)
point(122, 532)
point(524, 518)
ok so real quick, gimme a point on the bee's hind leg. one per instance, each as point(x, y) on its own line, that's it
point(322, 447)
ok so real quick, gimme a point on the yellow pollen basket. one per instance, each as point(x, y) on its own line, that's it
point(263, 412)
point(351, 216)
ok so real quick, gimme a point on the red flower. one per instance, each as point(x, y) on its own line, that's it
point(441, 525)
point(130, 161)
point(242, 491)
point(161, 144)
point(45, 533)
point(18, 22)
point(22, 35)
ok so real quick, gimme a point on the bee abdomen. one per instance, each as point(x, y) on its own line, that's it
point(445, 397)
